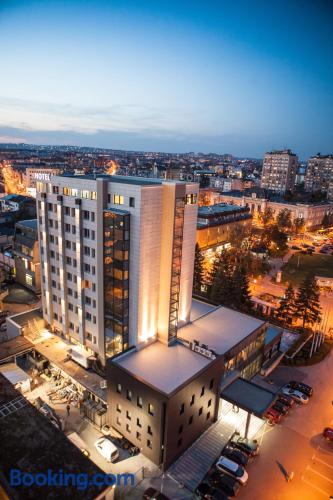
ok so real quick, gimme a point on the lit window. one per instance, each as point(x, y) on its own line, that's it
point(28, 279)
point(118, 199)
point(151, 410)
point(191, 199)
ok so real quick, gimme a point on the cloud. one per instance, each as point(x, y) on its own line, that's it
point(11, 139)
point(39, 116)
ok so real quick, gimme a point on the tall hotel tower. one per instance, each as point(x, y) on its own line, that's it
point(117, 259)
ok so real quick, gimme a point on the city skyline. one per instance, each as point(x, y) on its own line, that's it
point(168, 77)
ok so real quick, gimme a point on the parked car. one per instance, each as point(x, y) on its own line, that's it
point(249, 446)
point(298, 396)
point(230, 467)
point(328, 434)
point(286, 400)
point(107, 449)
point(281, 408)
point(295, 247)
point(208, 492)
point(227, 484)
point(236, 455)
point(300, 386)
point(272, 416)
point(153, 494)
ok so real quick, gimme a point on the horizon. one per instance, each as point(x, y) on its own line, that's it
point(168, 77)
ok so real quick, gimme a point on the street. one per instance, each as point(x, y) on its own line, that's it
point(296, 444)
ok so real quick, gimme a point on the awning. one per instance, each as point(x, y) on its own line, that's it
point(249, 396)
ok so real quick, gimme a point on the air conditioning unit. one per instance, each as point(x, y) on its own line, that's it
point(103, 384)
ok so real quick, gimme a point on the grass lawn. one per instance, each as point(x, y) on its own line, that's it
point(319, 265)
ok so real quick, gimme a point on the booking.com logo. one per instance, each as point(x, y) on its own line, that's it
point(81, 480)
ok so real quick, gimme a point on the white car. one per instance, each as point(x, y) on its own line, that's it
point(297, 395)
point(230, 467)
point(107, 449)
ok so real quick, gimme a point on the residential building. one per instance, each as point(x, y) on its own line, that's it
point(319, 174)
point(26, 255)
point(311, 213)
point(216, 223)
point(117, 257)
point(279, 171)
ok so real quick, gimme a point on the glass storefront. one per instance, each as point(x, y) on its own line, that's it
point(116, 285)
point(249, 359)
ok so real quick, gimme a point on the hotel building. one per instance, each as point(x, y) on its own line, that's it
point(117, 259)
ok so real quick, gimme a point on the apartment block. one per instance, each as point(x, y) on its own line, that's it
point(319, 174)
point(279, 171)
point(117, 256)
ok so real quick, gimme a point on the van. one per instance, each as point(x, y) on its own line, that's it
point(107, 449)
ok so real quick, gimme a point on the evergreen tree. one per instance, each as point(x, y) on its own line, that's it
point(220, 279)
point(307, 303)
point(199, 272)
point(286, 310)
point(240, 291)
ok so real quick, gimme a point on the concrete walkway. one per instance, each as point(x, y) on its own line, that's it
point(196, 461)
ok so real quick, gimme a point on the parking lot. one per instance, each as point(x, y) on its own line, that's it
point(296, 444)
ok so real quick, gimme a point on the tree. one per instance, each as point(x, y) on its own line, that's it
point(220, 288)
point(298, 225)
point(266, 217)
point(199, 272)
point(327, 221)
point(286, 310)
point(283, 219)
point(278, 237)
point(307, 305)
point(241, 296)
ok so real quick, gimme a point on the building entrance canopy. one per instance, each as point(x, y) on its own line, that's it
point(248, 396)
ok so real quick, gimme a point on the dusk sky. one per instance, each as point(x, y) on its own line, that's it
point(236, 77)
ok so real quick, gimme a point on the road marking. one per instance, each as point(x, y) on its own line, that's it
point(315, 487)
point(319, 474)
point(325, 463)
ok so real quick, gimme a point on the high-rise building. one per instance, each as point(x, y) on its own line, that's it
point(117, 259)
point(319, 173)
point(279, 171)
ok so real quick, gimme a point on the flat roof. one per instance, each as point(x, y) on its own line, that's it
point(163, 368)
point(272, 332)
point(221, 329)
point(219, 209)
point(32, 223)
point(15, 346)
point(248, 396)
point(199, 308)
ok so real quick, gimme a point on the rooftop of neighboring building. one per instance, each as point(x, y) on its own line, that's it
point(265, 194)
point(220, 329)
point(30, 442)
point(31, 224)
point(220, 209)
point(16, 198)
point(165, 369)
point(281, 152)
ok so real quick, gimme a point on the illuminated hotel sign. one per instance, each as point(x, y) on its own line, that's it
point(41, 176)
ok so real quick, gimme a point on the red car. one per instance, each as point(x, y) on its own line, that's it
point(328, 434)
point(272, 416)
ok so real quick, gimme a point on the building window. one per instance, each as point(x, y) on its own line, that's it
point(139, 402)
point(211, 385)
point(208, 416)
point(118, 408)
point(202, 391)
point(132, 202)
point(138, 436)
point(191, 199)
point(149, 430)
point(129, 395)
point(128, 415)
point(28, 279)
point(190, 420)
point(180, 441)
point(118, 199)
point(119, 388)
point(138, 423)
point(128, 427)
point(192, 400)
point(209, 403)
point(151, 409)
point(182, 409)
point(180, 430)
point(118, 421)
point(149, 444)
point(200, 411)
